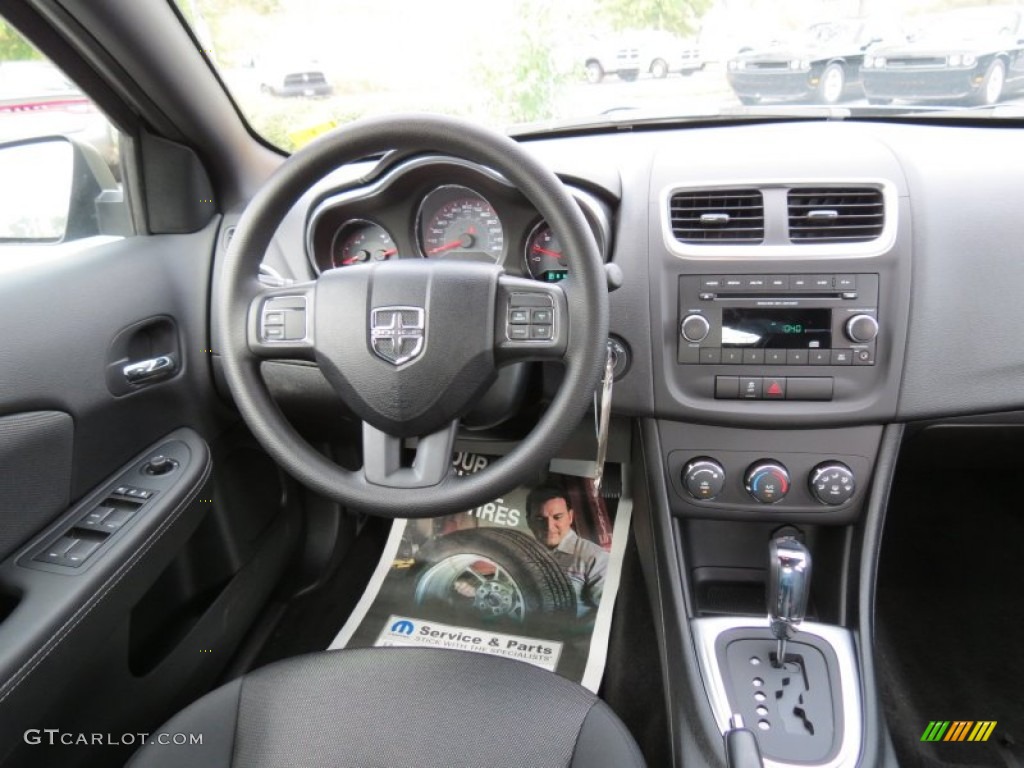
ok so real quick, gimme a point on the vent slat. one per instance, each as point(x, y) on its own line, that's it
point(860, 214)
point(733, 216)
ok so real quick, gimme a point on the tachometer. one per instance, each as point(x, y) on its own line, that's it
point(545, 259)
point(457, 222)
point(359, 241)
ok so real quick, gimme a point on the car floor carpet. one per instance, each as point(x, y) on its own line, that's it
point(950, 619)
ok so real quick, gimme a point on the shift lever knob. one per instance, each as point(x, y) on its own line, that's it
point(788, 588)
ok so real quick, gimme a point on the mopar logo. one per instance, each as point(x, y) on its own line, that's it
point(396, 333)
point(403, 627)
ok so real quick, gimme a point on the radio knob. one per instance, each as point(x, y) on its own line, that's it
point(767, 481)
point(832, 483)
point(703, 478)
point(861, 329)
point(695, 328)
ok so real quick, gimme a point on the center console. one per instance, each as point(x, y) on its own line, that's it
point(779, 311)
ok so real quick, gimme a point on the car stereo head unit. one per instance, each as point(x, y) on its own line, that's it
point(778, 319)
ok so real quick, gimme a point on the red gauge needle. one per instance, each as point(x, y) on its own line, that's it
point(546, 252)
point(445, 247)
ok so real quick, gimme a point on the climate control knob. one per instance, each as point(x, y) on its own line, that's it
point(703, 478)
point(767, 481)
point(861, 329)
point(694, 328)
point(832, 483)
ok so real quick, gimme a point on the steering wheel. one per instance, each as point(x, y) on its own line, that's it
point(410, 344)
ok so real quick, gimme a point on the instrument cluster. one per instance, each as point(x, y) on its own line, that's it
point(443, 208)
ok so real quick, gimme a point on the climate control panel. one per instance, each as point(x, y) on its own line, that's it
point(768, 481)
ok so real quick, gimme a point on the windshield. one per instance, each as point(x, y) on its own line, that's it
point(299, 67)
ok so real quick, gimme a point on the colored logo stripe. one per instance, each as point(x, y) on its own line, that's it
point(958, 730)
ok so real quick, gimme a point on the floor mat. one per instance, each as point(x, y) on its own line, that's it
point(530, 576)
point(950, 620)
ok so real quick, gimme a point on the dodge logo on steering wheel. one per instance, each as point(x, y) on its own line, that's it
point(396, 333)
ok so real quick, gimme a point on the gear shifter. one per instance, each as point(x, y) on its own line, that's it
point(788, 589)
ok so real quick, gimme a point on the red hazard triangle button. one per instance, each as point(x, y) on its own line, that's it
point(774, 389)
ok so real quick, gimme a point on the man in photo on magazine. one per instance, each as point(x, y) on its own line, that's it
point(550, 517)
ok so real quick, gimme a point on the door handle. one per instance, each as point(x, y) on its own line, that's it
point(149, 370)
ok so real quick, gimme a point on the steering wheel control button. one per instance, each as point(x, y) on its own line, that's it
point(283, 319)
point(832, 483)
point(751, 387)
point(703, 478)
point(767, 482)
point(727, 387)
point(541, 316)
point(531, 317)
point(694, 328)
point(861, 329)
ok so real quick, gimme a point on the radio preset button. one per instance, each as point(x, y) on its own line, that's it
point(710, 283)
point(732, 356)
point(796, 357)
point(775, 357)
point(710, 356)
point(753, 357)
point(694, 328)
point(778, 282)
point(734, 283)
point(820, 356)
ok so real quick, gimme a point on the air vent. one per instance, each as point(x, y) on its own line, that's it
point(836, 215)
point(718, 216)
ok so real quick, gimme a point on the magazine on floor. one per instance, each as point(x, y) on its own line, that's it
point(530, 576)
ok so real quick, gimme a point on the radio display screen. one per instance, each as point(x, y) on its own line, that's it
point(777, 328)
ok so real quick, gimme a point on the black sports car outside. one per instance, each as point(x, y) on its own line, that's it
point(821, 65)
point(973, 54)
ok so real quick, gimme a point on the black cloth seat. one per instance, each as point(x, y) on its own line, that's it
point(395, 707)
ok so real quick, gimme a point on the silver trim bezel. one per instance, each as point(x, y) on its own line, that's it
point(706, 633)
point(777, 245)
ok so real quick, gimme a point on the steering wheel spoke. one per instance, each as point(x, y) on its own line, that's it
point(395, 462)
point(531, 321)
point(281, 323)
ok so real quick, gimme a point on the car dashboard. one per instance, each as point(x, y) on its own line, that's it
point(791, 294)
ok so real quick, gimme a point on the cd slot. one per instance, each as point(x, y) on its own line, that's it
point(781, 297)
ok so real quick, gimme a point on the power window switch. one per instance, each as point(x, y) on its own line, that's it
point(55, 552)
point(95, 519)
point(116, 519)
point(79, 553)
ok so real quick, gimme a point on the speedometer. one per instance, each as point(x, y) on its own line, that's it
point(459, 223)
